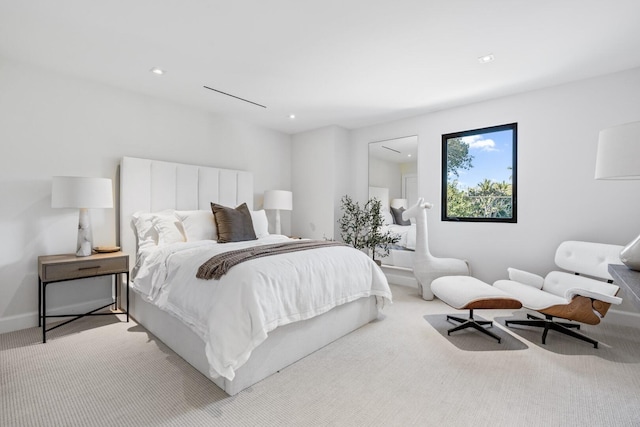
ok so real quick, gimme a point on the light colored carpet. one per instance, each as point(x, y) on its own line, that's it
point(399, 371)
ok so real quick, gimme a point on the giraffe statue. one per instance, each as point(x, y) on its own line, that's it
point(426, 267)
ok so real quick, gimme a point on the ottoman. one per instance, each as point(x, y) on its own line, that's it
point(469, 293)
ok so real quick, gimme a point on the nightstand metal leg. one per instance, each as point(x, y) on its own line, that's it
point(39, 302)
point(116, 285)
point(127, 278)
point(44, 313)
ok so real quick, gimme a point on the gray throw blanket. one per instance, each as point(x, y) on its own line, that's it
point(218, 265)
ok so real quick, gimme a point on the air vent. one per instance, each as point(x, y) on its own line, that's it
point(233, 96)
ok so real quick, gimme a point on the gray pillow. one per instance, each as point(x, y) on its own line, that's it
point(234, 225)
point(397, 216)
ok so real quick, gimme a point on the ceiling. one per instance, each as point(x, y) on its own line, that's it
point(350, 63)
point(397, 150)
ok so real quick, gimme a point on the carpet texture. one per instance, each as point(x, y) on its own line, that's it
point(471, 340)
point(399, 371)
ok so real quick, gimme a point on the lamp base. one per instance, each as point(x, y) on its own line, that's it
point(85, 237)
point(278, 230)
point(630, 255)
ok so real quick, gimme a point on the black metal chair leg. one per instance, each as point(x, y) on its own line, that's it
point(560, 328)
point(472, 323)
point(548, 323)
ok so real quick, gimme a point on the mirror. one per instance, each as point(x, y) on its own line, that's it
point(393, 171)
point(393, 179)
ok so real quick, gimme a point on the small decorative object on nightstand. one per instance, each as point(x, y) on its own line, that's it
point(60, 268)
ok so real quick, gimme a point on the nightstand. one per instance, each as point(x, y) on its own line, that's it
point(61, 268)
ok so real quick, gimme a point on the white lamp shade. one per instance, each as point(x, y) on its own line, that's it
point(399, 203)
point(81, 192)
point(278, 199)
point(619, 152)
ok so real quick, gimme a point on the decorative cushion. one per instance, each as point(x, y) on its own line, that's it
point(198, 225)
point(397, 216)
point(260, 223)
point(234, 225)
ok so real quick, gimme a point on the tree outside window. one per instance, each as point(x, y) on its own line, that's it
point(479, 175)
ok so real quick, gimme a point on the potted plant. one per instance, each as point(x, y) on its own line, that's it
point(361, 227)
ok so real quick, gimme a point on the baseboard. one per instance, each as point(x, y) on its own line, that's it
point(399, 276)
point(30, 320)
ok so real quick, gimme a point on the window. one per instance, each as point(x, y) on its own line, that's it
point(479, 175)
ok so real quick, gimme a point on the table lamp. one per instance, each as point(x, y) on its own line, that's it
point(399, 203)
point(618, 158)
point(278, 200)
point(84, 194)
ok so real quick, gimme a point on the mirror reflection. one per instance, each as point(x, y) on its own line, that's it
point(393, 170)
point(393, 179)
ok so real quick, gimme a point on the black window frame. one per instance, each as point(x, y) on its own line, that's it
point(514, 177)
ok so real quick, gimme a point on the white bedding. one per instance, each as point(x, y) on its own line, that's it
point(407, 234)
point(233, 315)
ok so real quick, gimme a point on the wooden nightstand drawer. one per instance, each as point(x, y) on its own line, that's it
point(64, 267)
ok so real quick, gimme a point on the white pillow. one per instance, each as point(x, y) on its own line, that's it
point(198, 225)
point(260, 223)
point(387, 218)
point(143, 223)
point(169, 229)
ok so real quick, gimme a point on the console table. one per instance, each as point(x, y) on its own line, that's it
point(629, 280)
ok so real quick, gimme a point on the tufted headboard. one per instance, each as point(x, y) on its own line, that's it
point(153, 185)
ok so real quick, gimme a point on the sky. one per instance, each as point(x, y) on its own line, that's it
point(492, 155)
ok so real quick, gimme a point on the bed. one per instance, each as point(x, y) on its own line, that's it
point(179, 309)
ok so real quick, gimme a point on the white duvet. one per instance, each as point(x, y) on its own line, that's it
point(233, 315)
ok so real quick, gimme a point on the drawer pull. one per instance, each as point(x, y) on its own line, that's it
point(88, 268)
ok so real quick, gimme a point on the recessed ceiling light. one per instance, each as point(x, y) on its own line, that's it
point(486, 58)
point(408, 155)
point(158, 71)
point(292, 116)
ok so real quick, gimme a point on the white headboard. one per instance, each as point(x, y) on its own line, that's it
point(153, 185)
point(381, 194)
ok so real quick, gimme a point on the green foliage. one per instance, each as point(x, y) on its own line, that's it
point(489, 199)
point(353, 223)
point(361, 227)
point(458, 156)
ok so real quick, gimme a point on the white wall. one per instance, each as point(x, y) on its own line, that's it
point(558, 197)
point(341, 174)
point(52, 124)
point(320, 171)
